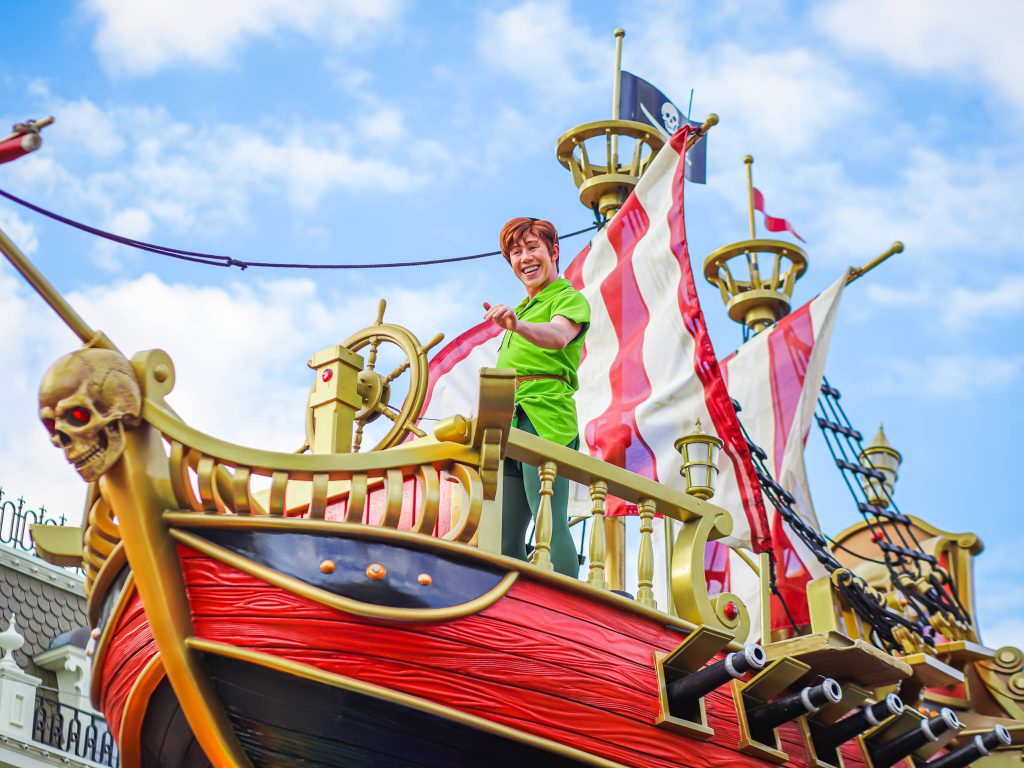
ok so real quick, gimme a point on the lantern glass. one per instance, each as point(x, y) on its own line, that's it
point(697, 452)
point(700, 456)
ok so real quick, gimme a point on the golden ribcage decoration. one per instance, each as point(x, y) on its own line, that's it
point(101, 537)
point(202, 483)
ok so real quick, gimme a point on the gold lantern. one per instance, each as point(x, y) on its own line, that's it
point(880, 455)
point(700, 461)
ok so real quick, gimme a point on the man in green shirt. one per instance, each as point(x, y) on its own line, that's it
point(543, 342)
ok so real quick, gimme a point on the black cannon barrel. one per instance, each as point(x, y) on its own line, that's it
point(829, 738)
point(981, 745)
point(766, 716)
point(885, 755)
point(704, 680)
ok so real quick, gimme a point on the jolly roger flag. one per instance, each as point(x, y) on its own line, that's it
point(641, 101)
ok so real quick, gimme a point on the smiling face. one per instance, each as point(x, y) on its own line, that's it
point(534, 263)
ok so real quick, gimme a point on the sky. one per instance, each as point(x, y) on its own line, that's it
point(350, 132)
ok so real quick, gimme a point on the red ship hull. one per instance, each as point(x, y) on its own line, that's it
point(551, 667)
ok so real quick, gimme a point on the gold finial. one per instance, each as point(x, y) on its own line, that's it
point(748, 159)
point(881, 456)
point(620, 32)
point(855, 272)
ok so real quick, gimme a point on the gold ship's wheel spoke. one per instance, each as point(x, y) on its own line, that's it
point(375, 388)
point(388, 411)
point(397, 372)
point(371, 359)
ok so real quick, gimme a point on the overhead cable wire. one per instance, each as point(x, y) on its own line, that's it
point(217, 260)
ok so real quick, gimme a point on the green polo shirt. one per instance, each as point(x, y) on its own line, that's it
point(548, 402)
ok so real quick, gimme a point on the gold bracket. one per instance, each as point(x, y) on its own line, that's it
point(769, 682)
point(853, 696)
point(693, 653)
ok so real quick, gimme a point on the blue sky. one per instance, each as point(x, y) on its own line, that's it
point(333, 130)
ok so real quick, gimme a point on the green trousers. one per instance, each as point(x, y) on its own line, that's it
point(520, 500)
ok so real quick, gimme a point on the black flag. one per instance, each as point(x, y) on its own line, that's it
point(641, 101)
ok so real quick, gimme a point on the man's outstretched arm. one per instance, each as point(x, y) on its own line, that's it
point(557, 333)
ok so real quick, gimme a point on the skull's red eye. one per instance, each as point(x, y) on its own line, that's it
point(78, 416)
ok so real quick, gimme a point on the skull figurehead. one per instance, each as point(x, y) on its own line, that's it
point(86, 400)
point(670, 117)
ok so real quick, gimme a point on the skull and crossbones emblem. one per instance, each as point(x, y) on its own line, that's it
point(670, 117)
point(86, 401)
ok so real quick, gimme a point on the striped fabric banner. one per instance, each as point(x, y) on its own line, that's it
point(649, 369)
point(776, 377)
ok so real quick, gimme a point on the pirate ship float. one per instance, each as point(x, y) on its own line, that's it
point(350, 607)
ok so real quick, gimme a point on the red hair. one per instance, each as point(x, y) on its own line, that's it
point(516, 230)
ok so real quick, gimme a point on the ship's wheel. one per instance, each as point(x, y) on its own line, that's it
point(375, 388)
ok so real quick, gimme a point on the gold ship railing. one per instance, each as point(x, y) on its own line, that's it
point(197, 474)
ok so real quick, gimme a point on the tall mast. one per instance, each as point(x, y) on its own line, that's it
point(754, 296)
point(605, 187)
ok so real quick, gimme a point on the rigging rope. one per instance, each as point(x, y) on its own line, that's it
point(903, 560)
point(855, 589)
point(216, 260)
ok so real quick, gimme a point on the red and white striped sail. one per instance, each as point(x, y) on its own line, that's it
point(649, 369)
point(776, 378)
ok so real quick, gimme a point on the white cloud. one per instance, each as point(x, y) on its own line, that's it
point(999, 574)
point(946, 377)
point(240, 353)
point(969, 307)
point(979, 44)
point(205, 178)
point(794, 97)
point(540, 44)
point(144, 36)
point(19, 230)
point(964, 308)
point(945, 207)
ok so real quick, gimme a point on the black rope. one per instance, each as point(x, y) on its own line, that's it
point(216, 260)
point(880, 618)
point(773, 587)
point(847, 442)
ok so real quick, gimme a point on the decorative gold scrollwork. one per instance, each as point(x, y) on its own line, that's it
point(689, 585)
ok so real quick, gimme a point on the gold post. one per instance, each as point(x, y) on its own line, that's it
point(51, 296)
point(645, 561)
point(749, 160)
point(542, 537)
point(670, 537)
point(619, 34)
point(596, 577)
point(856, 272)
point(615, 552)
point(764, 577)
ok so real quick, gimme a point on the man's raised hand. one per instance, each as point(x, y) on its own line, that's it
point(501, 316)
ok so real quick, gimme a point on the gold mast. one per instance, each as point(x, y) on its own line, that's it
point(604, 188)
point(616, 87)
point(52, 296)
point(755, 299)
point(749, 160)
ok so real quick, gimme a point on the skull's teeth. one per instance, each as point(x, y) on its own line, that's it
point(88, 455)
